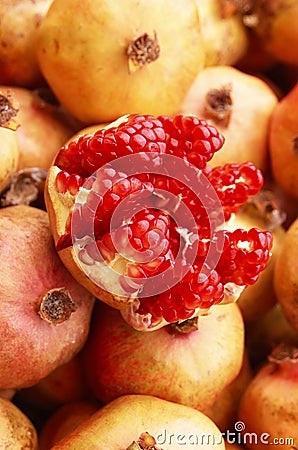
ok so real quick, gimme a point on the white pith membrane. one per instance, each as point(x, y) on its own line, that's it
point(106, 277)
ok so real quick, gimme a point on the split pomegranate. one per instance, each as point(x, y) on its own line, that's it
point(44, 312)
point(199, 356)
point(127, 420)
point(274, 395)
point(138, 218)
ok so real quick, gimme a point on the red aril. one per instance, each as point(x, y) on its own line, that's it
point(262, 211)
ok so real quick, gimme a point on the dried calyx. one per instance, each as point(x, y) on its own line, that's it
point(219, 105)
point(266, 206)
point(142, 51)
point(8, 111)
point(284, 352)
point(56, 306)
point(145, 442)
point(26, 188)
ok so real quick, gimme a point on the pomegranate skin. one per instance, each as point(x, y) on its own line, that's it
point(283, 143)
point(39, 122)
point(116, 425)
point(20, 20)
point(189, 368)
point(285, 276)
point(78, 52)
point(273, 419)
point(16, 429)
point(32, 347)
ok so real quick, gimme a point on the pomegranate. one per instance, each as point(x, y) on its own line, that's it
point(131, 46)
point(286, 275)
point(275, 24)
point(65, 384)
point(39, 122)
point(234, 102)
point(266, 333)
point(9, 150)
point(20, 20)
point(44, 312)
point(261, 211)
point(16, 429)
point(199, 357)
point(223, 412)
point(144, 422)
point(283, 143)
point(137, 216)
point(224, 34)
point(64, 420)
point(273, 394)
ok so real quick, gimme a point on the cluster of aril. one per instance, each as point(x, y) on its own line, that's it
point(173, 207)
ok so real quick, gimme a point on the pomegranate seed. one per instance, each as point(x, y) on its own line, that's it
point(61, 182)
point(74, 182)
point(245, 256)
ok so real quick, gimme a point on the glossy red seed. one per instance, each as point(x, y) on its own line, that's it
point(61, 181)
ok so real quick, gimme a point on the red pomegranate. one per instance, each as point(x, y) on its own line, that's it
point(274, 395)
point(43, 127)
point(138, 218)
point(144, 422)
point(285, 277)
point(198, 357)
point(44, 312)
point(64, 420)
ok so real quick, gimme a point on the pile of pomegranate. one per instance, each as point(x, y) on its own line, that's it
point(148, 224)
